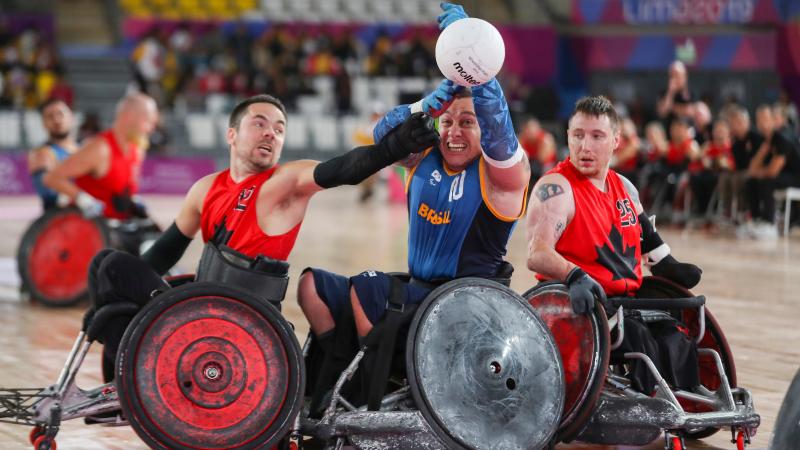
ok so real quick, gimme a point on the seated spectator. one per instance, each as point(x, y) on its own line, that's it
point(712, 167)
point(745, 142)
point(654, 148)
point(626, 158)
point(703, 126)
point(540, 146)
point(776, 165)
point(682, 148)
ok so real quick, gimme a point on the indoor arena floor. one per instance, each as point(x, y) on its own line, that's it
point(751, 286)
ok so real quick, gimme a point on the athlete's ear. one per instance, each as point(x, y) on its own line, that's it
point(230, 136)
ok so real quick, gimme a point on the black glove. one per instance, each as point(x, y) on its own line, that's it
point(414, 135)
point(126, 205)
point(685, 274)
point(583, 290)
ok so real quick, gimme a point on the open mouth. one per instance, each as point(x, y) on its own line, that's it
point(265, 149)
point(456, 147)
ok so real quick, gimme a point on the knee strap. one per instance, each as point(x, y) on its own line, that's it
point(95, 321)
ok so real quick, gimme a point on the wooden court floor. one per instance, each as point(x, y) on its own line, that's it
point(751, 286)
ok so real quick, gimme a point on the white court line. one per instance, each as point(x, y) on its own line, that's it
point(9, 280)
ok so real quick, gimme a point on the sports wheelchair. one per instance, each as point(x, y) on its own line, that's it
point(207, 365)
point(601, 405)
point(482, 371)
point(202, 365)
point(55, 251)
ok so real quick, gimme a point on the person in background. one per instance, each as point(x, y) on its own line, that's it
point(626, 158)
point(539, 146)
point(107, 166)
point(745, 143)
point(57, 119)
point(776, 165)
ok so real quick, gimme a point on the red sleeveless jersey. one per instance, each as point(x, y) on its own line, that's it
point(229, 212)
point(122, 176)
point(603, 236)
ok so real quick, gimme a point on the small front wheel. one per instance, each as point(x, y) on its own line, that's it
point(44, 443)
point(36, 432)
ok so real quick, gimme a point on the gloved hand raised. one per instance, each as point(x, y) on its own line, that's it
point(416, 134)
point(452, 12)
point(437, 102)
point(583, 290)
point(685, 274)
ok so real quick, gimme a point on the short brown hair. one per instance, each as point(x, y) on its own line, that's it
point(52, 101)
point(240, 109)
point(597, 105)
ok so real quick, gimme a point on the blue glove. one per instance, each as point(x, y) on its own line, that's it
point(437, 102)
point(452, 12)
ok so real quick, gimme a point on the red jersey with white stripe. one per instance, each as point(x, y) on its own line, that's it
point(122, 177)
point(229, 217)
point(603, 236)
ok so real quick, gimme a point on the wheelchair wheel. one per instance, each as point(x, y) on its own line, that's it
point(583, 341)
point(54, 255)
point(484, 370)
point(656, 287)
point(206, 366)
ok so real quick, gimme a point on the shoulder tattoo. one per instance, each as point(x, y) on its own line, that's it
point(548, 190)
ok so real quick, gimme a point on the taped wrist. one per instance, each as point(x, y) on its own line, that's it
point(166, 250)
point(652, 244)
point(354, 166)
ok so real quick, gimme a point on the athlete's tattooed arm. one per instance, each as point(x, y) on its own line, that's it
point(559, 229)
point(549, 213)
point(548, 190)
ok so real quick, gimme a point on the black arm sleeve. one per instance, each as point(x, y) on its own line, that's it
point(414, 135)
point(167, 250)
point(353, 167)
point(650, 238)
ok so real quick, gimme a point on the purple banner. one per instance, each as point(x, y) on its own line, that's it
point(756, 51)
point(14, 179)
point(683, 12)
point(159, 175)
point(173, 175)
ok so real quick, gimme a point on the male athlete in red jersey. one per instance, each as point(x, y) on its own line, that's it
point(255, 207)
point(107, 167)
point(586, 226)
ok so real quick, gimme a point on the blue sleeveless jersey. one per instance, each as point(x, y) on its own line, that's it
point(48, 195)
point(453, 232)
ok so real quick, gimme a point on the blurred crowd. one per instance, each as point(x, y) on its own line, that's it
point(186, 63)
point(30, 70)
point(693, 165)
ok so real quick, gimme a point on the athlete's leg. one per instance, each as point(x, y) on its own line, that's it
point(314, 308)
point(363, 324)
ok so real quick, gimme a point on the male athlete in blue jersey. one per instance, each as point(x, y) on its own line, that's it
point(464, 198)
point(57, 119)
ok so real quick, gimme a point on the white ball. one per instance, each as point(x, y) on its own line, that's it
point(470, 52)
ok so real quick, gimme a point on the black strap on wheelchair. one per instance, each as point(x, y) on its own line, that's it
point(382, 338)
point(265, 277)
